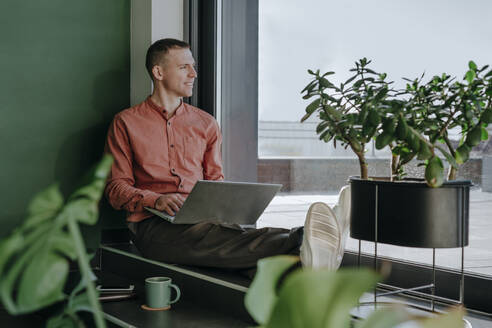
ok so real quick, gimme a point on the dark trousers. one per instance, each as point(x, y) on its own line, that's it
point(213, 245)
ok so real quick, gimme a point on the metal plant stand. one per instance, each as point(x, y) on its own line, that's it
point(393, 290)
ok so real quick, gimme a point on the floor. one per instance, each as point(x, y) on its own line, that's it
point(288, 210)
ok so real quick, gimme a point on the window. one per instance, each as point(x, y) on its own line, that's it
point(403, 39)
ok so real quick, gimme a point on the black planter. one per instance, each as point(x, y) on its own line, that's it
point(409, 213)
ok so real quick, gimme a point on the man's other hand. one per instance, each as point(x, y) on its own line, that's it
point(171, 203)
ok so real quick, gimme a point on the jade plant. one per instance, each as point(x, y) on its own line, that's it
point(351, 112)
point(280, 297)
point(414, 123)
point(443, 104)
point(35, 257)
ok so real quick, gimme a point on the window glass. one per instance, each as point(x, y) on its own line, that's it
point(403, 39)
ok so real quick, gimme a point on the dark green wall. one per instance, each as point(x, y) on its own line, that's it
point(64, 73)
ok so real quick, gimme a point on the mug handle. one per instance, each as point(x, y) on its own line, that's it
point(178, 293)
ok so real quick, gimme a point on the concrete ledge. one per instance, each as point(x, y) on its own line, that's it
point(322, 175)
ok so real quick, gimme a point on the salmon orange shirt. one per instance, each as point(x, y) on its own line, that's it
point(154, 155)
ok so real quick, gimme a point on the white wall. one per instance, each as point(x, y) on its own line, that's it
point(151, 20)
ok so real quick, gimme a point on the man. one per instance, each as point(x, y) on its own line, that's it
point(161, 147)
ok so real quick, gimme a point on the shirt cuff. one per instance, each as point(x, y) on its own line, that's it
point(149, 198)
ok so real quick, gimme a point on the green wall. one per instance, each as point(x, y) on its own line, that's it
point(64, 73)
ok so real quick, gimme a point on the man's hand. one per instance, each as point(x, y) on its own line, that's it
point(170, 203)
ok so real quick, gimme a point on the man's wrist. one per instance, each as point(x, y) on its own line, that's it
point(150, 198)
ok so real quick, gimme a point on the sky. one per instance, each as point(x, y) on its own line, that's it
point(402, 38)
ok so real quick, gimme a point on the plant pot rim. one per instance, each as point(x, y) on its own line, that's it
point(414, 182)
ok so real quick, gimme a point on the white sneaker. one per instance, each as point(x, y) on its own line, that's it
point(321, 242)
point(342, 212)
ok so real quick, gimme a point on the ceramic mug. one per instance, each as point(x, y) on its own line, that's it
point(158, 292)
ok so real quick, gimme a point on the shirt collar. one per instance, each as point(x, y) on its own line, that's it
point(163, 110)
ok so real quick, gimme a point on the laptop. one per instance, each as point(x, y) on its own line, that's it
point(223, 201)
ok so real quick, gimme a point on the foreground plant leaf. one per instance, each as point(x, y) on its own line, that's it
point(262, 294)
point(34, 258)
point(44, 206)
point(42, 282)
point(321, 298)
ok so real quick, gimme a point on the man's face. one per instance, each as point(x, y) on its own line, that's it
point(178, 72)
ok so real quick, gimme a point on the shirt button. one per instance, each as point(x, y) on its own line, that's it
point(172, 146)
point(172, 170)
point(181, 186)
point(168, 123)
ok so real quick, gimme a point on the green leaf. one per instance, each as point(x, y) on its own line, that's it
point(401, 129)
point(62, 321)
point(413, 141)
point(328, 73)
point(389, 126)
point(313, 106)
point(380, 95)
point(383, 140)
point(262, 293)
point(42, 282)
point(8, 247)
point(321, 127)
point(62, 243)
point(320, 298)
point(424, 151)
point(328, 97)
point(83, 210)
point(470, 75)
point(485, 134)
point(358, 83)
point(305, 117)
point(462, 153)
point(488, 92)
point(373, 117)
point(332, 112)
point(310, 84)
point(474, 136)
point(44, 206)
point(326, 136)
point(472, 65)
point(434, 172)
point(487, 116)
point(451, 160)
point(324, 83)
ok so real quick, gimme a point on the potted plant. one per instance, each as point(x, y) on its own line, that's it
point(414, 123)
point(282, 297)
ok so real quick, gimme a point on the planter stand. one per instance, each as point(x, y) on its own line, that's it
point(382, 218)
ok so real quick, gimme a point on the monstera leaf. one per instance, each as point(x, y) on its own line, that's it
point(34, 259)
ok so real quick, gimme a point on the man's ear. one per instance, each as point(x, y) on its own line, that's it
point(158, 72)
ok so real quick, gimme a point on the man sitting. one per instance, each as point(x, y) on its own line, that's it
point(161, 147)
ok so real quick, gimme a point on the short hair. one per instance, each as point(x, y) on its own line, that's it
point(157, 51)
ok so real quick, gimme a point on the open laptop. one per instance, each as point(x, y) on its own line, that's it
point(223, 201)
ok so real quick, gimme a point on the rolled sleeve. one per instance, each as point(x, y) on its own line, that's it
point(120, 189)
point(212, 160)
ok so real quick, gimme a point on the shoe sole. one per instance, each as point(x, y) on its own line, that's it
point(323, 235)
